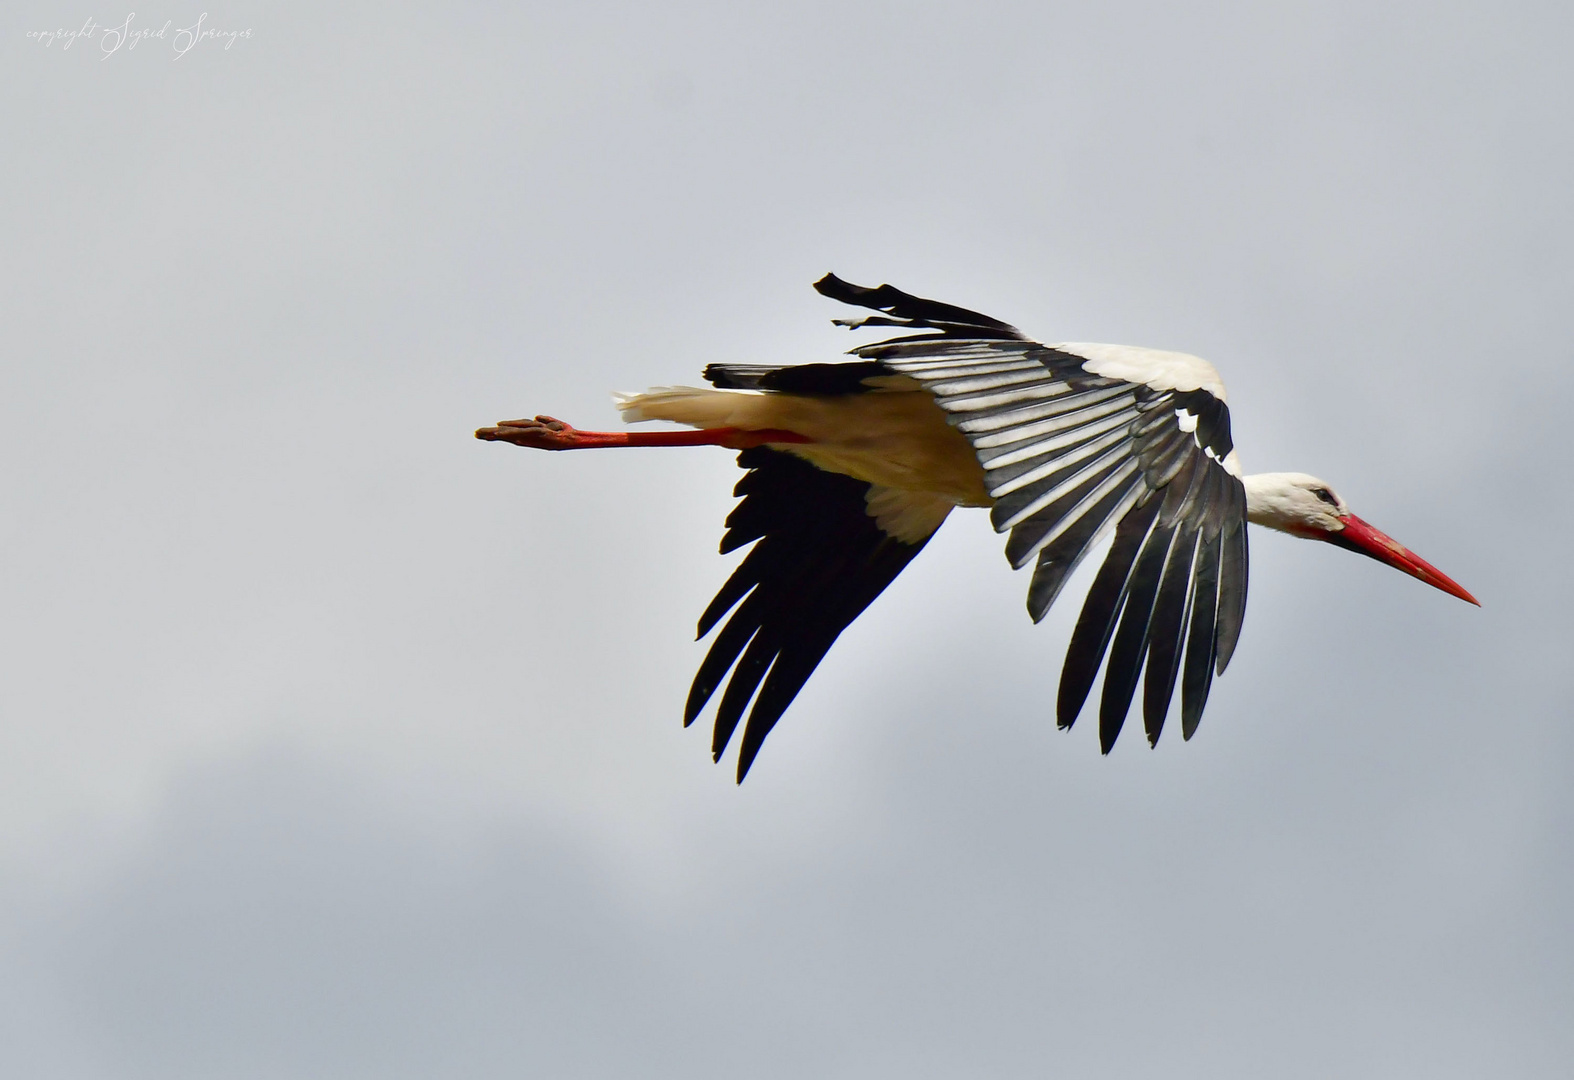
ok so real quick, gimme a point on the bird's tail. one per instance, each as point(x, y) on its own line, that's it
point(690, 405)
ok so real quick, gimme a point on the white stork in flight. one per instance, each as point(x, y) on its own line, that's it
point(853, 466)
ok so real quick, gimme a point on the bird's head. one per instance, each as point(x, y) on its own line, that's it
point(1305, 506)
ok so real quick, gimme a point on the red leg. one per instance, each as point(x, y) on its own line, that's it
point(546, 433)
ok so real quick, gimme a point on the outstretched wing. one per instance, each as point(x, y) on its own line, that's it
point(1068, 454)
point(825, 545)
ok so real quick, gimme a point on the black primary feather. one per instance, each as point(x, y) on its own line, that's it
point(1100, 610)
point(819, 560)
point(908, 311)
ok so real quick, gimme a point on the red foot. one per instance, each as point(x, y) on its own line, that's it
point(542, 433)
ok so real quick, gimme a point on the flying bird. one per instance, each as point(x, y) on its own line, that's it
point(853, 466)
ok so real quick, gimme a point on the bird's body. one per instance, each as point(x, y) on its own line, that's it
point(892, 436)
point(853, 466)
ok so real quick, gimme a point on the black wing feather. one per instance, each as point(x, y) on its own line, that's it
point(819, 560)
point(1100, 610)
point(907, 310)
point(1025, 537)
point(1170, 608)
point(1232, 577)
point(1131, 640)
point(746, 676)
point(732, 640)
point(1066, 453)
point(1061, 556)
point(1201, 638)
point(1166, 634)
point(836, 379)
point(1150, 623)
point(736, 376)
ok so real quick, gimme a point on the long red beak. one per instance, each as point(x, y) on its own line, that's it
point(1358, 536)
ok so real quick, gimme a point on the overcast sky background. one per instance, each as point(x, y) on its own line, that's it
point(334, 743)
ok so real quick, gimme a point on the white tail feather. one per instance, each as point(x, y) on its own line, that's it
point(692, 405)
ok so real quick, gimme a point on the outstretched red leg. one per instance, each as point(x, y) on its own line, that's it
point(547, 433)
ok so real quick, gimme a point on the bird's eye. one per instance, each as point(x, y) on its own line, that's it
point(1327, 496)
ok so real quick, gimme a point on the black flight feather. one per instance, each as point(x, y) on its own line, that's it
point(1131, 640)
point(1197, 673)
point(1232, 578)
point(1100, 610)
point(1063, 554)
point(819, 560)
point(907, 310)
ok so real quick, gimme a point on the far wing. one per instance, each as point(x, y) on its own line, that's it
point(825, 545)
point(1069, 455)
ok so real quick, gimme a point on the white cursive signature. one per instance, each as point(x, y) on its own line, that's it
point(114, 38)
point(195, 33)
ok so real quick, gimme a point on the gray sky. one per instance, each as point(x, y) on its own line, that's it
point(337, 744)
